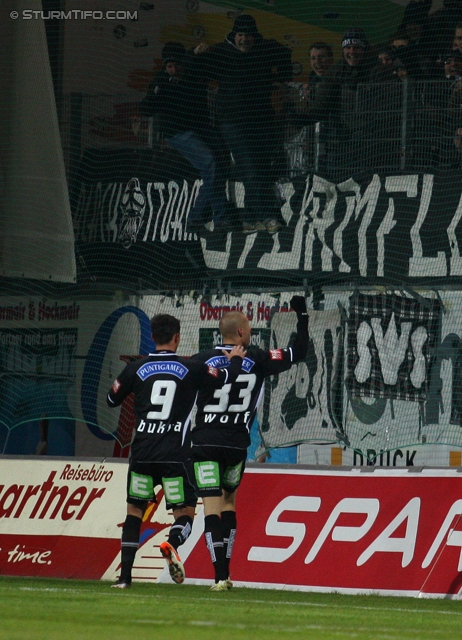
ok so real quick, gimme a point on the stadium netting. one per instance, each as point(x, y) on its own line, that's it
point(193, 157)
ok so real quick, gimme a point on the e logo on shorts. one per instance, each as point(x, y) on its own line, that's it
point(232, 475)
point(141, 486)
point(173, 489)
point(207, 474)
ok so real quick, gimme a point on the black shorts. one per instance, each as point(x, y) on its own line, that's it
point(217, 468)
point(176, 482)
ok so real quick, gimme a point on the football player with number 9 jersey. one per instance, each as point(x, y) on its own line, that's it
point(165, 387)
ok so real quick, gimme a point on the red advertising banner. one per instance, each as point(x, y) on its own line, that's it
point(389, 531)
point(62, 518)
point(386, 531)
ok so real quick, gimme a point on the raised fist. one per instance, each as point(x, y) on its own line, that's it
point(298, 304)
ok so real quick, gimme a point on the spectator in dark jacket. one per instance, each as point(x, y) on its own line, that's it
point(382, 71)
point(181, 101)
point(354, 68)
point(246, 66)
point(335, 101)
point(321, 60)
point(439, 33)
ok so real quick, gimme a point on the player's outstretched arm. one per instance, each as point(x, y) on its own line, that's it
point(300, 346)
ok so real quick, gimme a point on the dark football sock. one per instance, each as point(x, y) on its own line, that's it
point(228, 525)
point(130, 543)
point(214, 540)
point(180, 531)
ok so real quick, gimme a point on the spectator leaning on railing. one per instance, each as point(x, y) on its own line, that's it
point(246, 67)
point(334, 92)
point(352, 69)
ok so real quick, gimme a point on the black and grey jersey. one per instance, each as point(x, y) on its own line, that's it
point(225, 418)
point(165, 387)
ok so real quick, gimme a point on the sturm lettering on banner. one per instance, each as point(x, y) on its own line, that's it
point(327, 216)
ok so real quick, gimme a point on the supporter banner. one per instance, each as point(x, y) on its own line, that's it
point(375, 423)
point(58, 359)
point(391, 342)
point(396, 534)
point(121, 213)
point(404, 228)
point(302, 401)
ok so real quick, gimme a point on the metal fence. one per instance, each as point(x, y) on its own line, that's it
point(400, 126)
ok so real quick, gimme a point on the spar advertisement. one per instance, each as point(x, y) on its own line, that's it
point(386, 531)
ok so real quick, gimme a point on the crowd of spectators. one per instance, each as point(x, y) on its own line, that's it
point(392, 106)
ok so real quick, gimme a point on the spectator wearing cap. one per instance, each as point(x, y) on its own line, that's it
point(246, 67)
point(180, 99)
point(352, 69)
point(337, 92)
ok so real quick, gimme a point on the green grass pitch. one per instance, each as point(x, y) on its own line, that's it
point(39, 609)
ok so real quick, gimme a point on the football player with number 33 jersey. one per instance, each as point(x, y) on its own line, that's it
point(221, 433)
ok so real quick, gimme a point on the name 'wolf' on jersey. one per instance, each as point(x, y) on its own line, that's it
point(165, 387)
point(225, 419)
